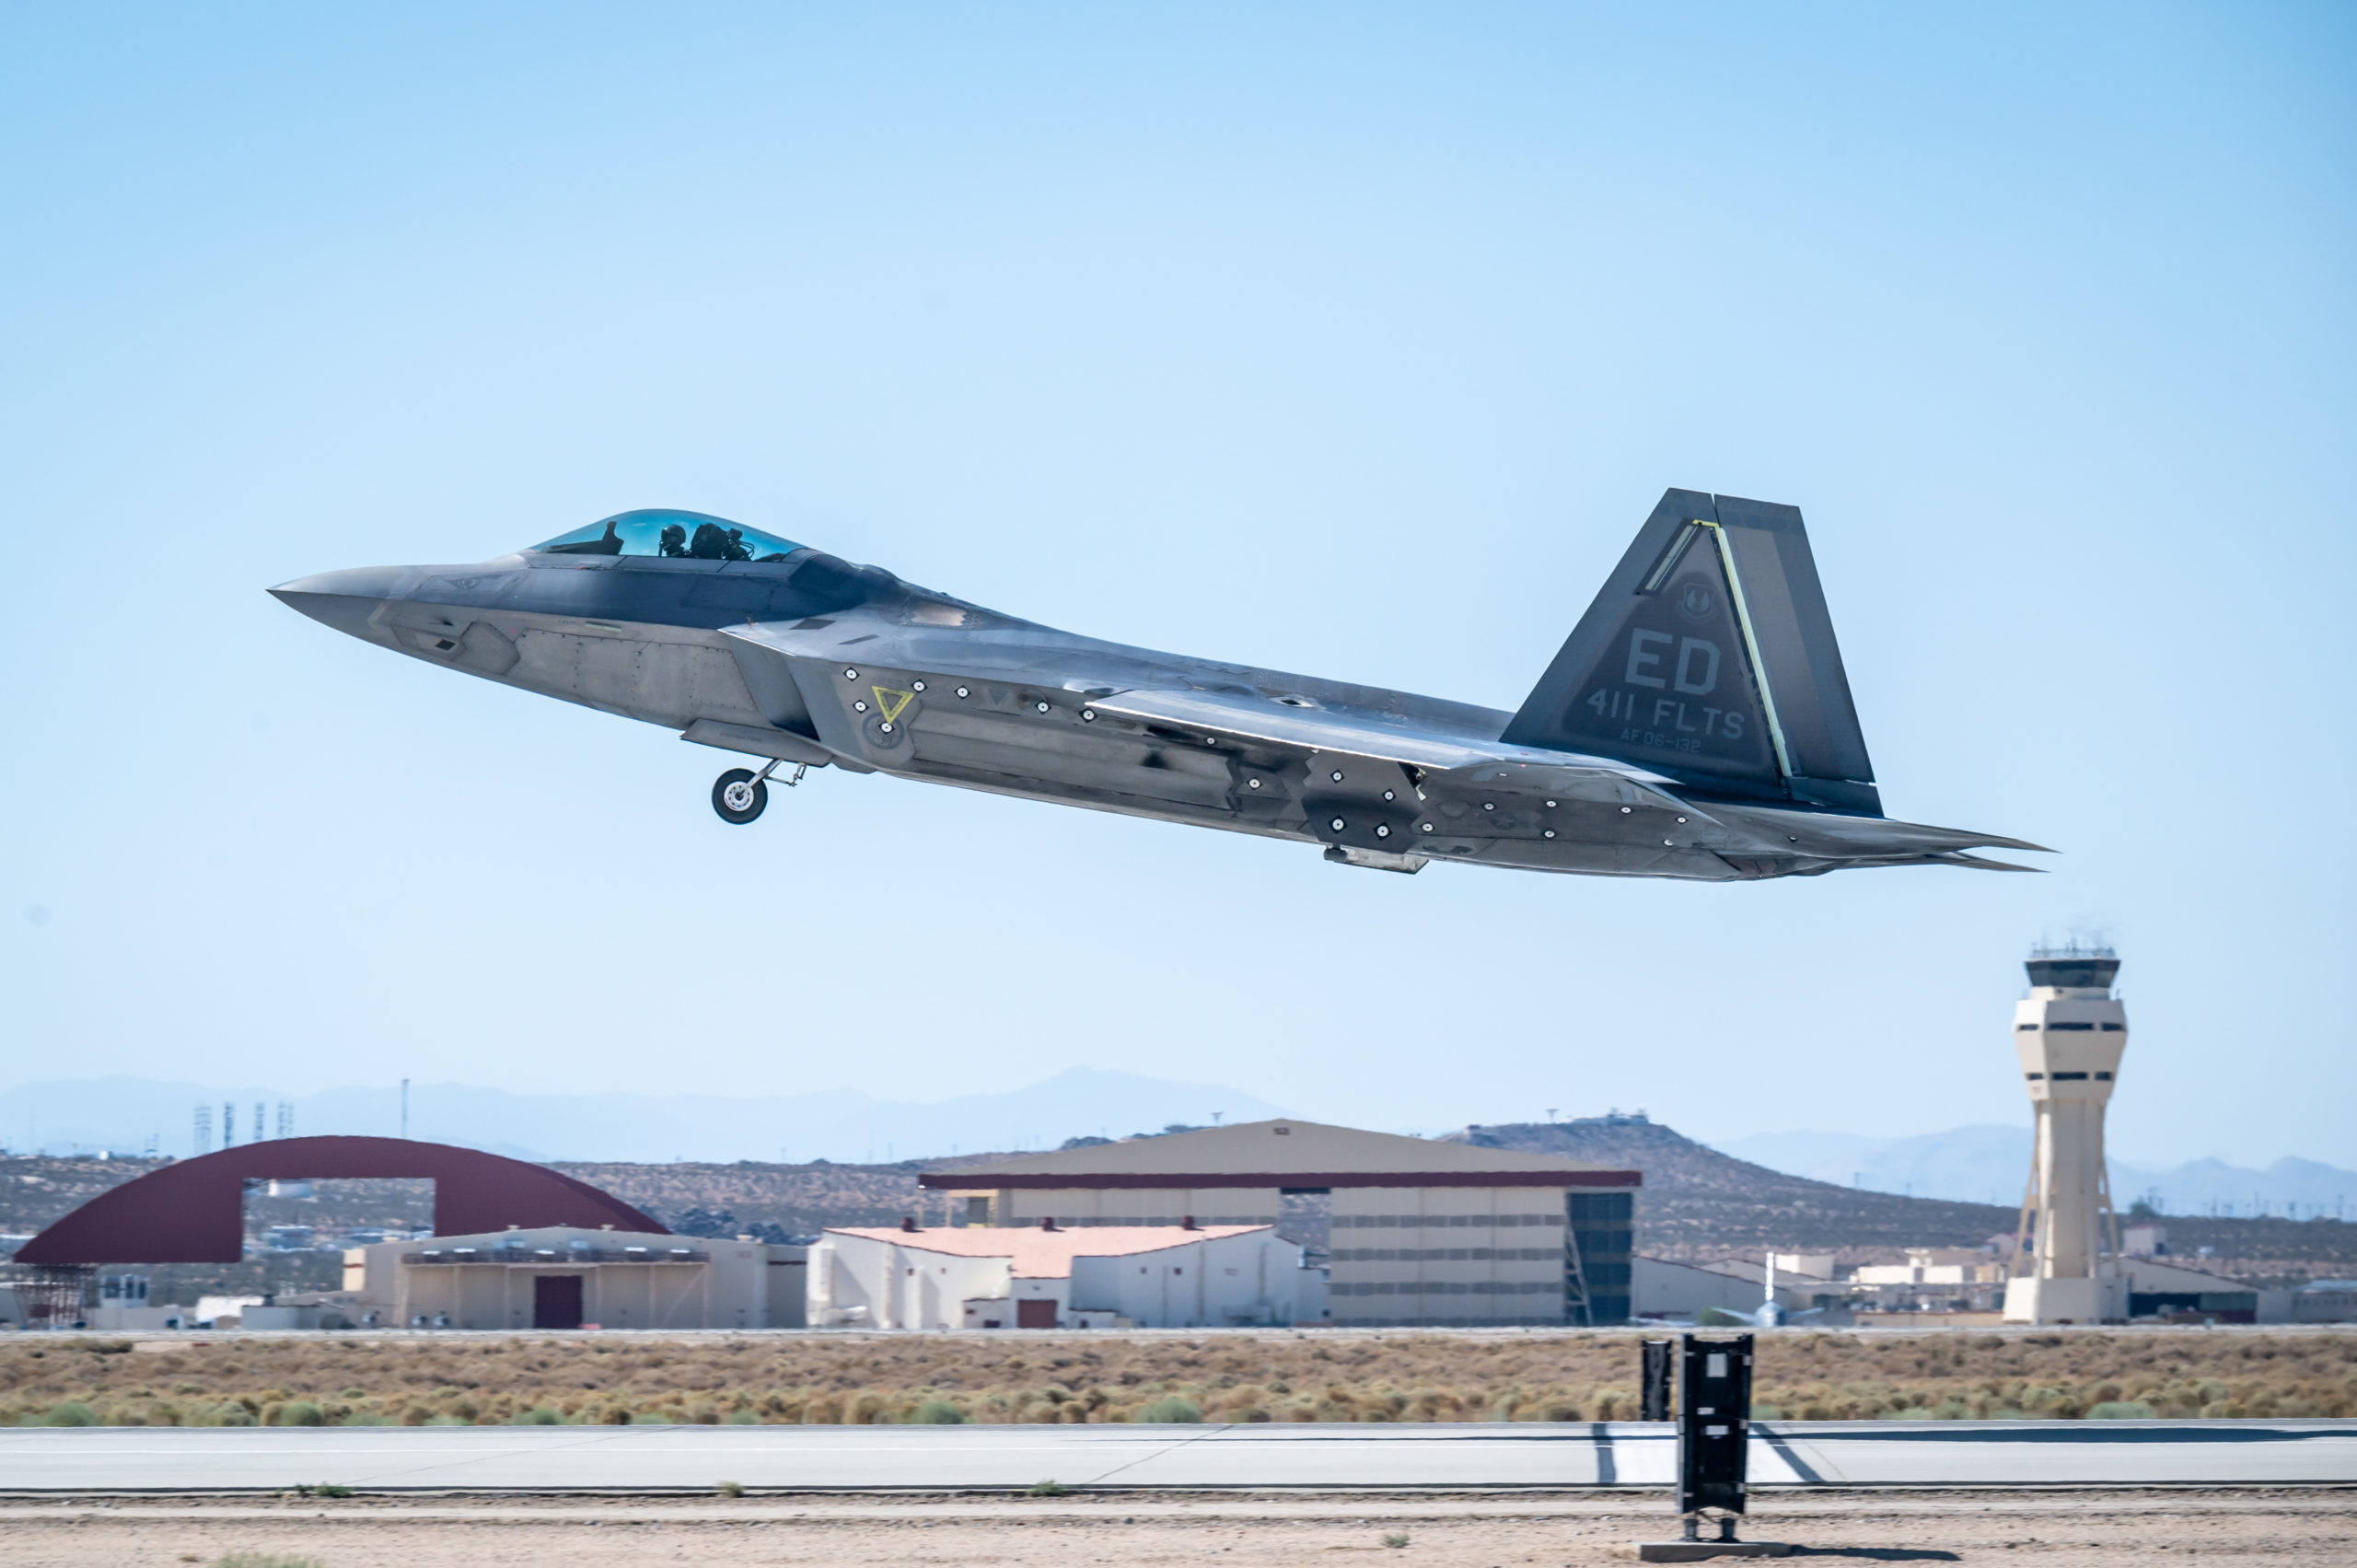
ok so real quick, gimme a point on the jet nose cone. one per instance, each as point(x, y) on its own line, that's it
point(342, 599)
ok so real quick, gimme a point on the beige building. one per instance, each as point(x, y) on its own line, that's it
point(563, 1277)
point(1960, 1266)
point(1670, 1290)
point(1422, 1232)
point(1035, 1277)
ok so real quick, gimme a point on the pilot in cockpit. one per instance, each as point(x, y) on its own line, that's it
point(714, 542)
point(675, 540)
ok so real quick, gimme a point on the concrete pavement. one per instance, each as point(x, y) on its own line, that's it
point(1322, 1457)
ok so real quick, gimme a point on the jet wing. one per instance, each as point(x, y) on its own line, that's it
point(836, 639)
point(1283, 724)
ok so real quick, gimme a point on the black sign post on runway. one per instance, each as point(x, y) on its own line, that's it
point(1661, 1374)
point(1713, 1445)
point(1713, 1428)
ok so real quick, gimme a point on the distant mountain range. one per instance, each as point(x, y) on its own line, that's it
point(1983, 1164)
point(1989, 1165)
point(121, 1114)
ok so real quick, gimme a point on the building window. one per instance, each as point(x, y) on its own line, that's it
point(2079, 1076)
point(2027, 1028)
point(2035, 1077)
point(2103, 1077)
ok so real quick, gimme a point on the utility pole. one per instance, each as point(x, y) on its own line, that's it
point(405, 1108)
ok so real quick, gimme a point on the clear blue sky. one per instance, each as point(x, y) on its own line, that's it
point(1352, 340)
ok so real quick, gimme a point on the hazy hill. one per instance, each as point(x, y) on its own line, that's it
point(1988, 1163)
point(1699, 1203)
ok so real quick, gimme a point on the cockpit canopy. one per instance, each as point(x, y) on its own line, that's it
point(687, 536)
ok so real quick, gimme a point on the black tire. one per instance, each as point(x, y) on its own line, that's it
point(720, 795)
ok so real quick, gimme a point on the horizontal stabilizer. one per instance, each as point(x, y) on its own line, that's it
point(1979, 863)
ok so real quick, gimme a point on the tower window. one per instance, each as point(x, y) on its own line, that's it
point(2059, 1076)
point(2079, 1026)
point(2103, 1077)
point(2025, 1029)
point(2036, 1076)
point(2115, 1029)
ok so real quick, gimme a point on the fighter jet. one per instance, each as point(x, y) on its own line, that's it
point(1697, 723)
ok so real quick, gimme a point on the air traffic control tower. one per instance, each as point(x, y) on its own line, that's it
point(2070, 1033)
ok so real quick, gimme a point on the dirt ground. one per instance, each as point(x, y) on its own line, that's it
point(2051, 1530)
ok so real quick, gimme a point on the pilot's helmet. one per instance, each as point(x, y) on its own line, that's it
point(675, 540)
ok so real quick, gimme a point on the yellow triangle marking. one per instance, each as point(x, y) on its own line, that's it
point(891, 703)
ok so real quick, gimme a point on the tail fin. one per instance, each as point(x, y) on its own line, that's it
point(1709, 656)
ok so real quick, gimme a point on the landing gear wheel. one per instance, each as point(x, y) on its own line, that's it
point(739, 797)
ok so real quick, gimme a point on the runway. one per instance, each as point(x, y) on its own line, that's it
point(1326, 1457)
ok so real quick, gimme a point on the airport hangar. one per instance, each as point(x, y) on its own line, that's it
point(514, 1246)
point(1425, 1233)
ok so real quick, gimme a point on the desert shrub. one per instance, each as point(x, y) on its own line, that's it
point(70, 1412)
point(2121, 1409)
point(1810, 1376)
point(1170, 1410)
point(300, 1412)
point(540, 1415)
point(937, 1412)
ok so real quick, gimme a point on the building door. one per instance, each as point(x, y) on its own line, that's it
point(556, 1301)
point(1035, 1314)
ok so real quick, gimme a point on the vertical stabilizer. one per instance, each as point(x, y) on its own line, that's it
point(1709, 656)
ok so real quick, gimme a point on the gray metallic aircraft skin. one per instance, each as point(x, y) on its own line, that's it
point(1697, 724)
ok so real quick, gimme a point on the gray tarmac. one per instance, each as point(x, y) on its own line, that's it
point(1328, 1457)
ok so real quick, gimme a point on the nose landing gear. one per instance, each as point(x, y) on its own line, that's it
point(740, 795)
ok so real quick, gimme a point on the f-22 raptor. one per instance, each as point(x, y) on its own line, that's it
point(1697, 723)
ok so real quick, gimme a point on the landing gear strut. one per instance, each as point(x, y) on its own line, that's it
point(740, 795)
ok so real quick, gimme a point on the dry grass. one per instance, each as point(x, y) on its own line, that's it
point(876, 1379)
